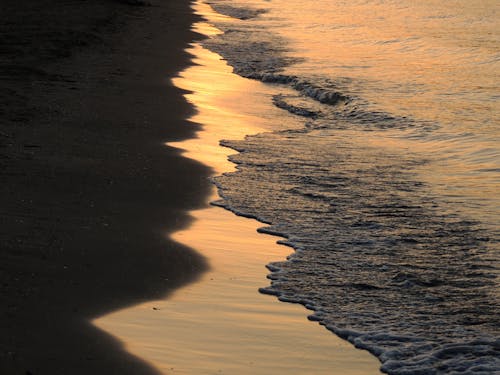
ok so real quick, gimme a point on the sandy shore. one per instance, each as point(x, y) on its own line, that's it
point(88, 189)
point(93, 207)
point(221, 324)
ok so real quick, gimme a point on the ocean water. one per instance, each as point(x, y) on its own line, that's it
point(388, 187)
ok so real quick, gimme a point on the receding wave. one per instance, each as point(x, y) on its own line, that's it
point(241, 13)
point(381, 259)
point(261, 55)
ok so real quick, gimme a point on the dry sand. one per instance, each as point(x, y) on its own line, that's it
point(88, 189)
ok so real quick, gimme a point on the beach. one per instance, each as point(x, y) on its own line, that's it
point(221, 323)
point(89, 191)
point(97, 190)
point(249, 187)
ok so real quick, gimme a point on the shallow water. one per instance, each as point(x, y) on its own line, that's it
point(221, 324)
point(389, 188)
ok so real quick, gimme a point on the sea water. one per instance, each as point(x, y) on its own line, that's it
point(389, 189)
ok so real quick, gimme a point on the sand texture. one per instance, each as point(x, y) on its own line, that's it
point(88, 190)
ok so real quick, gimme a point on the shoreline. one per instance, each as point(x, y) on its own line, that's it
point(88, 189)
point(222, 323)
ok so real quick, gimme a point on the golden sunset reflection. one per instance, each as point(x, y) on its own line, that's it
point(221, 324)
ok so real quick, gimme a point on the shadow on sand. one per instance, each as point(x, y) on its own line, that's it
point(89, 192)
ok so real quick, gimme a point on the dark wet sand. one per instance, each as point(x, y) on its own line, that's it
point(88, 190)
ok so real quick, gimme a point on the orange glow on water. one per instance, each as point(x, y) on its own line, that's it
point(221, 324)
